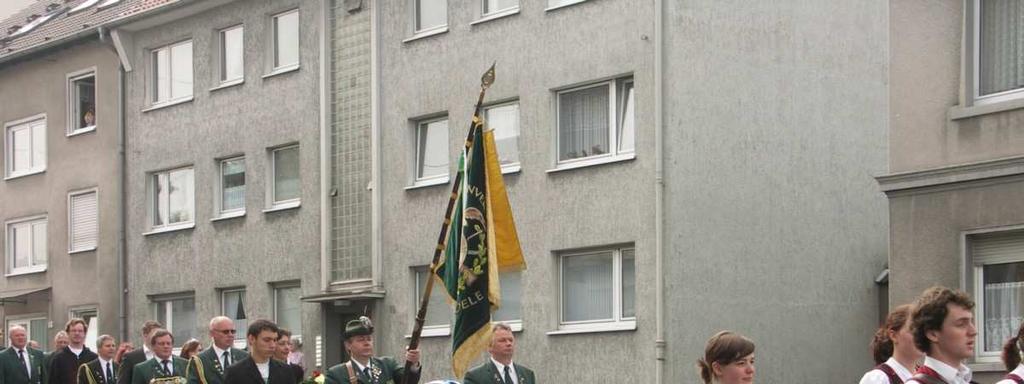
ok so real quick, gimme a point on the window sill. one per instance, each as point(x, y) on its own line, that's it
point(282, 70)
point(497, 15)
point(76, 132)
point(426, 34)
point(986, 367)
point(27, 271)
point(175, 228)
point(510, 169)
point(168, 104)
point(228, 84)
point(557, 7)
point(84, 250)
point(957, 112)
point(592, 162)
point(622, 326)
point(20, 175)
point(228, 216)
point(283, 207)
point(428, 183)
point(435, 332)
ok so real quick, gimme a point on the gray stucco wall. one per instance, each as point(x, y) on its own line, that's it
point(260, 248)
point(90, 160)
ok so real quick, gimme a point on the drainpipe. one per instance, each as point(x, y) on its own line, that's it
point(376, 237)
point(325, 148)
point(659, 195)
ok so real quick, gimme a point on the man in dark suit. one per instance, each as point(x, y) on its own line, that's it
point(20, 364)
point(64, 366)
point(101, 370)
point(207, 367)
point(163, 364)
point(138, 356)
point(259, 367)
point(500, 369)
point(364, 366)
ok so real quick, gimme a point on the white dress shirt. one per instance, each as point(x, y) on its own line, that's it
point(1019, 371)
point(511, 368)
point(220, 356)
point(961, 375)
point(148, 352)
point(264, 369)
point(876, 376)
point(103, 368)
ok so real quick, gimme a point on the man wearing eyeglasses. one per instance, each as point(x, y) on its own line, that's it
point(208, 366)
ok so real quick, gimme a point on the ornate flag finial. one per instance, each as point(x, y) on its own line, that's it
point(488, 78)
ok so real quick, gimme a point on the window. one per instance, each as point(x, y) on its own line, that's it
point(90, 315)
point(83, 220)
point(178, 315)
point(562, 3)
point(233, 306)
point(431, 151)
point(172, 73)
point(504, 120)
point(172, 198)
point(288, 309)
point(25, 147)
point(231, 52)
point(997, 260)
point(286, 40)
point(82, 108)
point(598, 289)
point(511, 299)
point(232, 186)
point(439, 313)
point(998, 50)
point(430, 15)
point(36, 329)
point(26, 245)
point(596, 121)
point(285, 190)
point(494, 7)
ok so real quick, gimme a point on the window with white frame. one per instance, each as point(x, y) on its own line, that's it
point(288, 309)
point(233, 307)
point(172, 73)
point(430, 15)
point(232, 186)
point(510, 311)
point(494, 7)
point(91, 317)
point(285, 190)
point(596, 121)
point(172, 198)
point(598, 289)
point(431, 150)
point(286, 40)
point(231, 52)
point(998, 49)
point(25, 146)
point(26, 245)
point(35, 327)
point(83, 221)
point(561, 3)
point(439, 314)
point(82, 102)
point(997, 261)
point(504, 120)
point(178, 315)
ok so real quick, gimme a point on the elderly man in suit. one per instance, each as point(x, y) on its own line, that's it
point(101, 370)
point(138, 356)
point(260, 367)
point(163, 364)
point(21, 364)
point(500, 369)
point(364, 367)
point(208, 366)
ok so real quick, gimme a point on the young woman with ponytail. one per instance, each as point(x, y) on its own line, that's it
point(728, 359)
point(1012, 358)
point(893, 350)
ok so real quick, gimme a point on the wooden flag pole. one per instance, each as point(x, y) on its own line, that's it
point(414, 341)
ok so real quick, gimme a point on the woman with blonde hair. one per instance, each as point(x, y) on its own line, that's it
point(893, 350)
point(728, 359)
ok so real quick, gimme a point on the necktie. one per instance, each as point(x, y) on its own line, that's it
point(21, 356)
point(227, 362)
point(110, 374)
point(508, 376)
point(167, 370)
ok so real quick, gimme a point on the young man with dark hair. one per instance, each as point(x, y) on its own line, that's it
point(138, 356)
point(64, 366)
point(208, 366)
point(943, 325)
point(364, 367)
point(163, 364)
point(260, 367)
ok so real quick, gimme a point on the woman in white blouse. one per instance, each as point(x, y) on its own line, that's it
point(893, 349)
point(1012, 357)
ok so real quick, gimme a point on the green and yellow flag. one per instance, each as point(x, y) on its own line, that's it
point(481, 241)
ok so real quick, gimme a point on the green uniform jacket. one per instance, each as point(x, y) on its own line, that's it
point(12, 371)
point(487, 373)
point(213, 372)
point(386, 369)
point(151, 369)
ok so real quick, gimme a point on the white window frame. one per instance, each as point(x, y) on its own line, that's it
point(974, 72)
point(9, 245)
point(71, 226)
point(275, 68)
point(26, 123)
point(418, 32)
point(516, 166)
point(439, 179)
point(150, 202)
point(436, 330)
point(272, 201)
point(240, 341)
point(93, 329)
point(569, 4)
point(973, 277)
point(222, 54)
point(617, 322)
point(26, 322)
point(222, 213)
point(281, 286)
point(494, 14)
point(153, 86)
point(72, 100)
point(615, 153)
point(163, 303)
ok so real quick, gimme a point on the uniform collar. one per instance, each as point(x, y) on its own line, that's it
point(951, 375)
point(501, 367)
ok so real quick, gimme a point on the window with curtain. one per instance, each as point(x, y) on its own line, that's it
point(233, 307)
point(597, 287)
point(26, 245)
point(172, 73)
point(1000, 47)
point(596, 120)
point(504, 120)
point(286, 40)
point(172, 196)
point(286, 175)
point(287, 309)
point(998, 260)
point(82, 90)
point(25, 147)
point(432, 149)
point(231, 50)
point(232, 183)
point(178, 315)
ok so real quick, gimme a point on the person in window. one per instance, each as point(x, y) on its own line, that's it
point(893, 350)
point(64, 366)
point(1012, 358)
point(260, 367)
point(208, 366)
point(21, 364)
point(163, 364)
point(943, 325)
point(728, 359)
point(101, 370)
point(130, 359)
point(500, 365)
point(189, 349)
point(364, 367)
point(89, 117)
point(283, 350)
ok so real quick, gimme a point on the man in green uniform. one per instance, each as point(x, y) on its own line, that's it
point(208, 367)
point(20, 364)
point(364, 367)
point(163, 364)
point(500, 369)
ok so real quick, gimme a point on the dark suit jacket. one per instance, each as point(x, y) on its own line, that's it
point(213, 372)
point(64, 366)
point(128, 362)
point(245, 372)
point(487, 373)
point(390, 372)
point(92, 372)
point(12, 370)
point(298, 371)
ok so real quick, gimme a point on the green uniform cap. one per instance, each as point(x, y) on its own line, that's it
point(360, 326)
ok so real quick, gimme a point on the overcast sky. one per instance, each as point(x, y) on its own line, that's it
point(8, 7)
